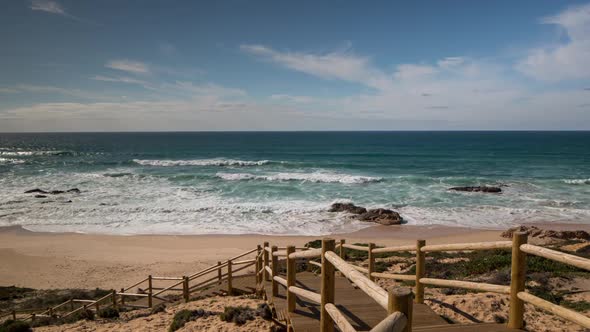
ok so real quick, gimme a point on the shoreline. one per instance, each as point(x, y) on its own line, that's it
point(72, 260)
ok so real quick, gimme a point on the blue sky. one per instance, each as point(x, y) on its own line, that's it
point(299, 65)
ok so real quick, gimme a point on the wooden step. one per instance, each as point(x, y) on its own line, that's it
point(481, 327)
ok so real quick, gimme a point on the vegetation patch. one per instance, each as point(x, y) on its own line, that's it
point(184, 316)
point(15, 326)
point(238, 315)
point(109, 312)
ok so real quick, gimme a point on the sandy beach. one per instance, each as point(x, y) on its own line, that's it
point(69, 260)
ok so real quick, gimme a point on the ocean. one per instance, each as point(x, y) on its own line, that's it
point(285, 182)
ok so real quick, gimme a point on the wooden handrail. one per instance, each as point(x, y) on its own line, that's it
point(312, 296)
point(248, 261)
point(407, 277)
point(355, 247)
point(467, 285)
point(311, 253)
point(280, 280)
point(315, 264)
point(169, 287)
point(206, 271)
point(339, 318)
point(136, 284)
point(269, 271)
point(558, 256)
point(396, 322)
point(242, 254)
point(133, 294)
point(555, 309)
point(468, 246)
point(394, 249)
point(370, 288)
point(359, 268)
point(167, 278)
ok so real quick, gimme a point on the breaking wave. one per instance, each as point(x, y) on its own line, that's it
point(577, 181)
point(200, 162)
point(322, 177)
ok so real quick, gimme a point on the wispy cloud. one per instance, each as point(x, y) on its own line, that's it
point(52, 7)
point(562, 61)
point(122, 79)
point(134, 67)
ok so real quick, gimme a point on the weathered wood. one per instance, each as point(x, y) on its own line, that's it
point(304, 293)
point(167, 288)
point(206, 271)
point(133, 294)
point(327, 289)
point(230, 289)
point(258, 265)
point(219, 271)
point(577, 261)
point(280, 281)
point(355, 247)
point(556, 309)
point(517, 281)
point(342, 249)
point(371, 267)
point(394, 249)
point(466, 285)
point(315, 264)
point(339, 319)
point(150, 291)
point(407, 277)
point(275, 269)
point(167, 278)
point(291, 279)
point(468, 246)
point(279, 253)
point(242, 254)
point(266, 262)
point(369, 287)
point(395, 322)
point(268, 271)
point(420, 271)
point(311, 253)
point(360, 268)
point(185, 289)
point(400, 300)
point(134, 285)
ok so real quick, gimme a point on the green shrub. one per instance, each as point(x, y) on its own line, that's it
point(15, 326)
point(184, 316)
point(161, 307)
point(264, 311)
point(239, 315)
point(109, 312)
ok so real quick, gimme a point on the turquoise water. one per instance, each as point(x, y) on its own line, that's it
point(283, 183)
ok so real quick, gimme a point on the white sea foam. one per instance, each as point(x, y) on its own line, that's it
point(577, 181)
point(30, 153)
point(323, 177)
point(10, 161)
point(200, 162)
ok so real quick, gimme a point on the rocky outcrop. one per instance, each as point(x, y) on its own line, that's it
point(483, 189)
point(40, 196)
point(52, 192)
point(380, 216)
point(540, 233)
point(347, 207)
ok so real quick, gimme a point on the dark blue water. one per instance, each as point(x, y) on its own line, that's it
point(284, 182)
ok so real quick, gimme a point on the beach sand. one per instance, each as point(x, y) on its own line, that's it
point(68, 260)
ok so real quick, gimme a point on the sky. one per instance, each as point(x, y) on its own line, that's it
point(122, 65)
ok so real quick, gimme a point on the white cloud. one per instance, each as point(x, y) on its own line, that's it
point(340, 65)
point(9, 90)
point(293, 99)
point(569, 60)
point(410, 71)
point(48, 6)
point(121, 79)
point(134, 67)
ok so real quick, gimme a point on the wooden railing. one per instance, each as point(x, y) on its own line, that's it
point(516, 289)
point(149, 288)
point(398, 302)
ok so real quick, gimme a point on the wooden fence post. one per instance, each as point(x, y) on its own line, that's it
point(265, 273)
point(371, 267)
point(400, 299)
point(420, 271)
point(258, 267)
point(114, 298)
point(230, 288)
point(342, 254)
point(275, 270)
point(13, 314)
point(219, 272)
point(150, 291)
point(97, 305)
point(327, 290)
point(291, 277)
point(185, 293)
point(517, 281)
point(33, 316)
point(122, 297)
point(50, 309)
point(72, 303)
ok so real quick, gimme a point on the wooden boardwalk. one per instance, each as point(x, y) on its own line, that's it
point(360, 309)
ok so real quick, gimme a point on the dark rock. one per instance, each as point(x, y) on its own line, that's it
point(347, 207)
point(40, 196)
point(483, 189)
point(381, 216)
point(36, 190)
point(56, 192)
point(73, 190)
point(537, 232)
